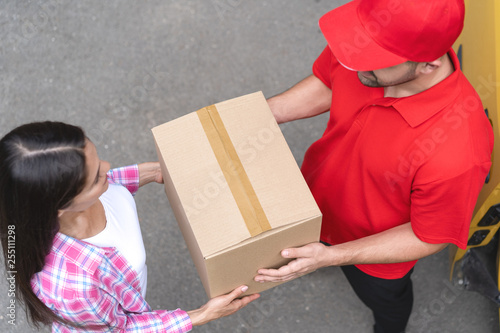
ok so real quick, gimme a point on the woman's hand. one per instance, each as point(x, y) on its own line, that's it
point(221, 306)
point(150, 172)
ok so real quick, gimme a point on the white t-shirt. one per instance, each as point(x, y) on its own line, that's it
point(122, 230)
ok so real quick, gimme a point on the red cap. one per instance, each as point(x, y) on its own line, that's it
point(365, 35)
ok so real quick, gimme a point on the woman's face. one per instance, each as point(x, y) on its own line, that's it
point(96, 182)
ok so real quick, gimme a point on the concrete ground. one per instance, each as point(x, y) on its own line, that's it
point(118, 68)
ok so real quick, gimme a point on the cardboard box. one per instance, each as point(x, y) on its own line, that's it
point(236, 190)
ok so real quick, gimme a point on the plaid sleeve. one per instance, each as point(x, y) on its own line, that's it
point(105, 315)
point(176, 321)
point(127, 176)
point(96, 289)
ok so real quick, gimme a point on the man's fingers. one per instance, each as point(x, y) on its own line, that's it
point(285, 273)
point(283, 270)
point(298, 252)
point(305, 261)
point(266, 278)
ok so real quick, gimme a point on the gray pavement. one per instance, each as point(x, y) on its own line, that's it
point(118, 68)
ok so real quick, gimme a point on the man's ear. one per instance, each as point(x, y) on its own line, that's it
point(429, 67)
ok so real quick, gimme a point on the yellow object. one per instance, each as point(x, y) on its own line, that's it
point(480, 52)
point(479, 45)
point(233, 171)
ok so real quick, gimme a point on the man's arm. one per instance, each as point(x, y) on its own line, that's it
point(308, 98)
point(398, 244)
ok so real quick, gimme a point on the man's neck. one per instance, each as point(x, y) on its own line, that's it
point(422, 82)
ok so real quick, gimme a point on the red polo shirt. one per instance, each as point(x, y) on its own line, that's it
point(383, 162)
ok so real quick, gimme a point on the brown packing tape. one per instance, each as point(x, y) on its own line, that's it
point(234, 173)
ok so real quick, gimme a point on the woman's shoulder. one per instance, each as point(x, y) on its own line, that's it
point(69, 255)
point(69, 270)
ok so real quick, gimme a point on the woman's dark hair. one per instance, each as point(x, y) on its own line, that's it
point(42, 169)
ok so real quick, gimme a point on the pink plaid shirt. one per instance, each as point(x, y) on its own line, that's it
point(96, 287)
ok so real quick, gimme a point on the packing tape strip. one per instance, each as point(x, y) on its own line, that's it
point(236, 177)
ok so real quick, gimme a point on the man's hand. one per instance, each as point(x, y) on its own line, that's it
point(398, 244)
point(307, 259)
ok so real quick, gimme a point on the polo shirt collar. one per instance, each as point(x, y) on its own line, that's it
point(420, 107)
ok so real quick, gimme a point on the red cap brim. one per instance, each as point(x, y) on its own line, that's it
point(351, 44)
